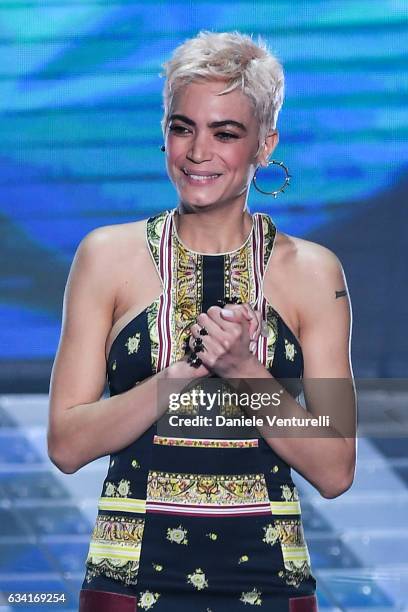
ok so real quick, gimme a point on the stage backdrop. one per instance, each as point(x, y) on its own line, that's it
point(80, 110)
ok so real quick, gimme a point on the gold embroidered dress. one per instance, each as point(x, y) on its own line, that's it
point(207, 524)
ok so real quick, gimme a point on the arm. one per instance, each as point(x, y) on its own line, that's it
point(82, 426)
point(327, 462)
point(325, 336)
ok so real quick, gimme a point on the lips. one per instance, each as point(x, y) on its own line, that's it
point(200, 177)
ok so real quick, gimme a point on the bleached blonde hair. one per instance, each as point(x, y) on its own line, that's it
point(235, 58)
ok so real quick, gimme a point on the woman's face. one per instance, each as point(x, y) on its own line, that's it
point(211, 144)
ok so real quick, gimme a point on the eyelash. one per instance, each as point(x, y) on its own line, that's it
point(179, 129)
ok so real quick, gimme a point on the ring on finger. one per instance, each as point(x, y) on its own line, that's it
point(198, 345)
point(194, 360)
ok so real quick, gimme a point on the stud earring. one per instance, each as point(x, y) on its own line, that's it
point(162, 148)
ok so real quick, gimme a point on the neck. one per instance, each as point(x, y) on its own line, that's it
point(213, 230)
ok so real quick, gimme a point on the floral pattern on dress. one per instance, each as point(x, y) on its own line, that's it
point(184, 285)
point(295, 572)
point(178, 535)
point(115, 547)
point(271, 534)
point(289, 494)
point(198, 579)
point(290, 535)
point(122, 489)
point(272, 327)
point(253, 598)
point(238, 274)
point(290, 350)
point(132, 343)
point(157, 567)
point(147, 599)
point(205, 442)
point(187, 274)
point(206, 488)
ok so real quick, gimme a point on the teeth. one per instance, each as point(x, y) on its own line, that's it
point(201, 178)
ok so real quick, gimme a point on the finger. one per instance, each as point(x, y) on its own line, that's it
point(257, 325)
point(253, 345)
point(237, 322)
point(223, 317)
point(208, 347)
point(196, 335)
point(198, 344)
point(212, 325)
point(239, 314)
point(249, 311)
point(246, 309)
point(251, 317)
point(254, 317)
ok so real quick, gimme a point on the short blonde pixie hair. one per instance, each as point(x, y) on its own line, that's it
point(233, 57)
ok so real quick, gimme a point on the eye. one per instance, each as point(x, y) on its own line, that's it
point(226, 135)
point(178, 129)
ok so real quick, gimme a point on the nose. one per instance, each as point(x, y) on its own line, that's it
point(200, 150)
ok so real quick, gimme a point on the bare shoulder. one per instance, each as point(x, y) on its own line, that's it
point(102, 257)
point(308, 262)
point(114, 240)
point(315, 279)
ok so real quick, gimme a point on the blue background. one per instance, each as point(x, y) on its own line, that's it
point(80, 110)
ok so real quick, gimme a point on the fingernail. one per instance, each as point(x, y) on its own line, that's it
point(253, 335)
point(252, 346)
point(227, 312)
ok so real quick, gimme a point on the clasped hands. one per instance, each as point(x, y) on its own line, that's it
point(228, 341)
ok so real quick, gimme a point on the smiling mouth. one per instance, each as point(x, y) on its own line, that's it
point(200, 178)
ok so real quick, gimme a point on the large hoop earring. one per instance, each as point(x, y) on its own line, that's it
point(282, 188)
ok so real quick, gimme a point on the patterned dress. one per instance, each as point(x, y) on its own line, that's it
point(211, 524)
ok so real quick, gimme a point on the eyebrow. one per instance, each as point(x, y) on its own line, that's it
point(214, 124)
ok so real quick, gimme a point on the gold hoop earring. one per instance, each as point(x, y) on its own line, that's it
point(282, 188)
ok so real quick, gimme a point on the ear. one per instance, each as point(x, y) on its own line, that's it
point(271, 142)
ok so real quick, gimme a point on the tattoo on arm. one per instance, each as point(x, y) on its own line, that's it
point(341, 293)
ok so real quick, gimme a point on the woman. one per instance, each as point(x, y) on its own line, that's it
point(204, 523)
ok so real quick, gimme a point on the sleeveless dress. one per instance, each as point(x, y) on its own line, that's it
point(207, 524)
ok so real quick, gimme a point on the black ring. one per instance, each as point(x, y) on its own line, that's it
point(233, 300)
point(198, 345)
point(194, 360)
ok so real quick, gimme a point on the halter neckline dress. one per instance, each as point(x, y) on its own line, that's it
point(207, 524)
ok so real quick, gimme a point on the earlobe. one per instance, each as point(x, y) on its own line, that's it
point(271, 142)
